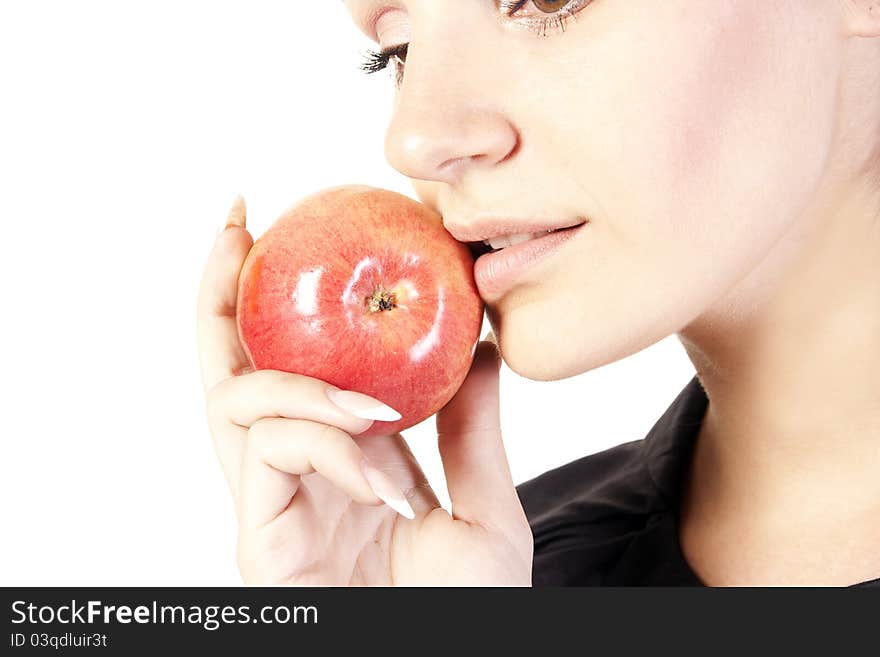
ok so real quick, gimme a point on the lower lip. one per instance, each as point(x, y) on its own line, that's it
point(495, 273)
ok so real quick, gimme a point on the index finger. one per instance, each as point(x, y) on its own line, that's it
point(220, 352)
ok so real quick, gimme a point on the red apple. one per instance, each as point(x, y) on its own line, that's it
point(363, 288)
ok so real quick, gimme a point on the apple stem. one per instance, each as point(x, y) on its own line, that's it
point(381, 300)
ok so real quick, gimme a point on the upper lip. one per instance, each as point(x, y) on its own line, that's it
point(492, 227)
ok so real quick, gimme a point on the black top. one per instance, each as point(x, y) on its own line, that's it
point(612, 518)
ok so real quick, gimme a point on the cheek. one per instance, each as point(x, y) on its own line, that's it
point(705, 130)
point(730, 129)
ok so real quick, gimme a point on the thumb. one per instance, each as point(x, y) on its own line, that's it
point(469, 436)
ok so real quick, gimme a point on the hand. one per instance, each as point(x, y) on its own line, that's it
point(309, 497)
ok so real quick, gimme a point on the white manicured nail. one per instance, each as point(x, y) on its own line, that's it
point(237, 216)
point(237, 213)
point(386, 490)
point(362, 406)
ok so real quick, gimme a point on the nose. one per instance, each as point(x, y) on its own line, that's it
point(446, 120)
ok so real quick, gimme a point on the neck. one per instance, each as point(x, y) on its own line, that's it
point(783, 485)
point(790, 361)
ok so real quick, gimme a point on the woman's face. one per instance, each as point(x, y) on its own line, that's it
point(690, 134)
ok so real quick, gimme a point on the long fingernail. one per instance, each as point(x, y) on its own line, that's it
point(362, 406)
point(386, 490)
point(237, 213)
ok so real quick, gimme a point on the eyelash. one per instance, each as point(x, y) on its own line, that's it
point(554, 22)
point(377, 61)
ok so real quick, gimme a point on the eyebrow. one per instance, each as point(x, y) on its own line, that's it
point(365, 14)
point(359, 10)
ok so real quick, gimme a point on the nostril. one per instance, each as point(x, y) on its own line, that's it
point(448, 168)
point(441, 138)
point(514, 149)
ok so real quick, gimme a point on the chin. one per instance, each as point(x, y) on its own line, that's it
point(546, 353)
point(530, 350)
point(530, 369)
point(535, 359)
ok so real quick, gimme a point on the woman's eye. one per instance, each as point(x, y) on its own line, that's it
point(550, 6)
point(543, 16)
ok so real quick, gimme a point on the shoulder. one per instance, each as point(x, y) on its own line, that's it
point(584, 514)
point(611, 517)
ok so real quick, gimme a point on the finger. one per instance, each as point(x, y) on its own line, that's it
point(477, 473)
point(220, 352)
point(238, 402)
point(246, 398)
point(280, 450)
point(392, 456)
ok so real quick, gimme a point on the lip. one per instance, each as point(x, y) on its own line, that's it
point(496, 272)
point(490, 228)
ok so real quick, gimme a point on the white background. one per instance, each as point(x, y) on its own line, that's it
point(126, 130)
